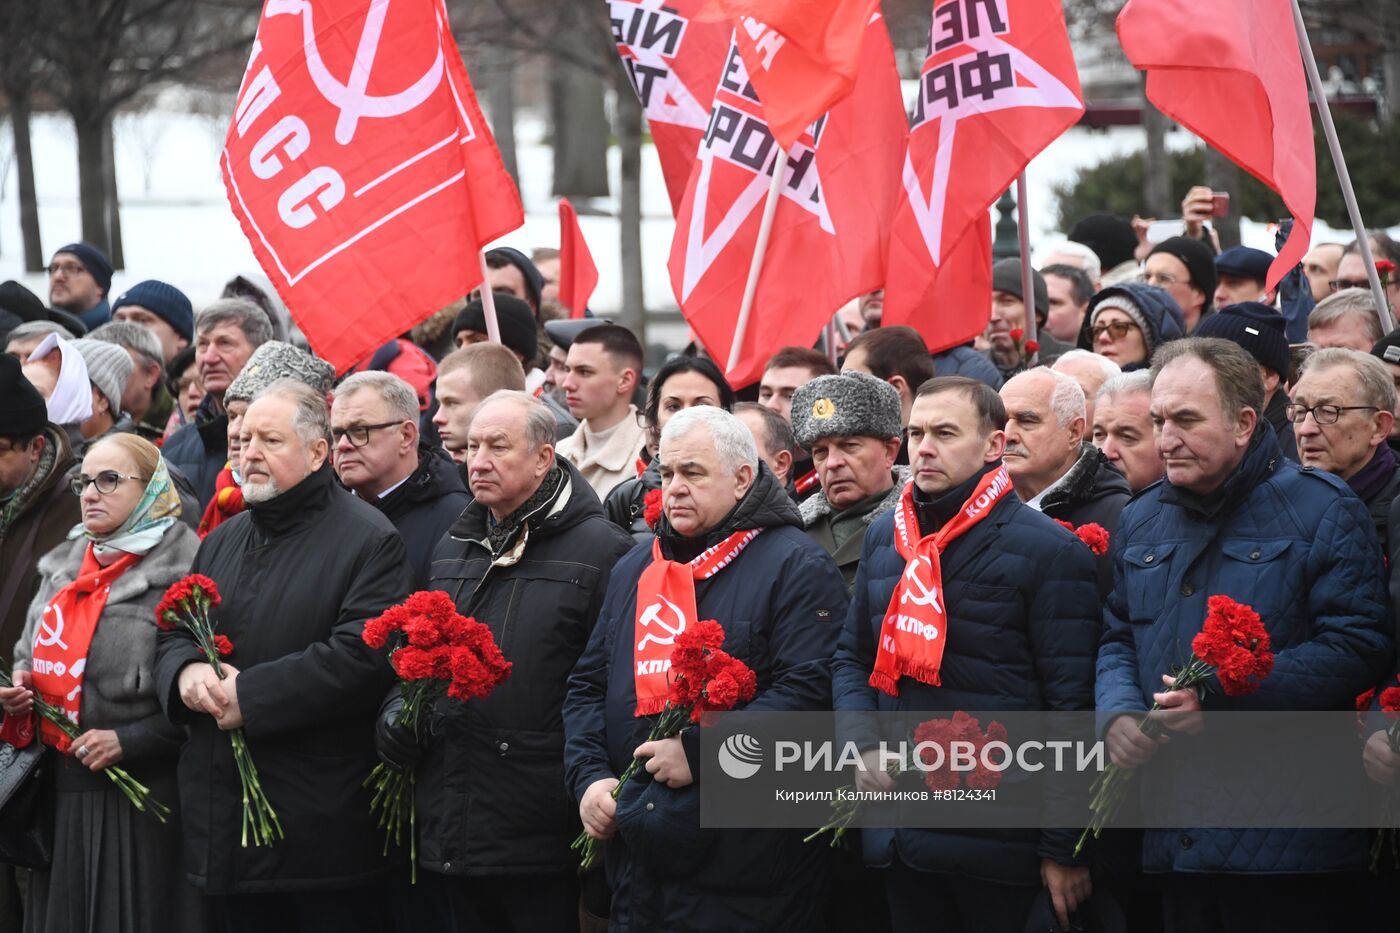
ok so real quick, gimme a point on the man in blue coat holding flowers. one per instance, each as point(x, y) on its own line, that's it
point(1234, 518)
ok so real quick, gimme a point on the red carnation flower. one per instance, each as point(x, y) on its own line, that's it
point(1234, 641)
point(1385, 269)
point(1094, 535)
point(1363, 700)
point(1390, 700)
point(651, 511)
point(1032, 346)
point(1017, 333)
point(223, 645)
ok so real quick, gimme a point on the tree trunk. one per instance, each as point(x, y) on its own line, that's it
point(34, 259)
point(92, 178)
point(1224, 175)
point(500, 98)
point(580, 126)
point(113, 209)
point(629, 141)
point(1157, 176)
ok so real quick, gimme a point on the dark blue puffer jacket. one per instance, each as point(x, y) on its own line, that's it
point(200, 449)
point(780, 602)
point(1160, 310)
point(1022, 602)
point(1299, 547)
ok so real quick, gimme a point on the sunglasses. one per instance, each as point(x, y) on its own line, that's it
point(1116, 329)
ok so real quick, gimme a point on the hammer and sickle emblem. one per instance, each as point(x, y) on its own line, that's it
point(916, 592)
point(51, 635)
point(823, 409)
point(653, 614)
point(350, 96)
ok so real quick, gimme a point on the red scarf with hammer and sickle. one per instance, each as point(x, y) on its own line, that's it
point(914, 632)
point(63, 636)
point(665, 606)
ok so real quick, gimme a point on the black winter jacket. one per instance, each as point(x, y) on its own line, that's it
point(299, 576)
point(626, 504)
point(1022, 629)
point(491, 793)
point(425, 507)
point(780, 603)
point(200, 450)
point(1094, 492)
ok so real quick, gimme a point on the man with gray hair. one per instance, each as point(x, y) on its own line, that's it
point(1235, 518)
point(226, 334)
point(1347, 319)
point(301, 572)
point(729, 547)
point(26, 337)
point(1342, 412)
point(530, 558)
point(146, 399)
point(379, 456)
point(1052, 466)
point(853, 425)
point(1091, 371)
point(1123, 428)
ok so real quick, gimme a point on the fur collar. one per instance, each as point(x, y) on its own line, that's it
point(167, 562)
point(815, 507)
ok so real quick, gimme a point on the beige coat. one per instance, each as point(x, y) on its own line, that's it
point(607, 466)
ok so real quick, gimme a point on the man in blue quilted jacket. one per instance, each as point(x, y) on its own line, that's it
point(1008, 620)
point(1234, 518)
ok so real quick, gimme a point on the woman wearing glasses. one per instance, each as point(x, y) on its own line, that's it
point(88, 648)
point(1127, 323)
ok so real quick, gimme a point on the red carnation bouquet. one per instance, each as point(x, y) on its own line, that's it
point(1092, 534)
point(1388, 835)
point(186, 604)
point(703, 679)
point(934, 741)
point(437, 652)
point(1027, 348)
point(1233, 647)
point(651, 510)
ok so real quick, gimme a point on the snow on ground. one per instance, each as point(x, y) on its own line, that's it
point(177, 225)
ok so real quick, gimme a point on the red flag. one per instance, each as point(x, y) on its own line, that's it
point(578, 276)
point(831, 229)
point(673, 62)
point(801, 55)
point(361, 170)
point(998, 85)
point(1232, 74)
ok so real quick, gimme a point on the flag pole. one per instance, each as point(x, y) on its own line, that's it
point(765, 227)
point(830, 340)
point(1329, 129)
point(488, 301)
point(1023, 224)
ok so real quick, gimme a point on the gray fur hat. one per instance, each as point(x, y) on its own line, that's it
point(849, 405)
point(277, 360)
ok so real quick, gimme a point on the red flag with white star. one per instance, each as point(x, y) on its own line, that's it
point(1248, 97)
point(831, 227)
point(361, 170)
point(673, 63)
point(997, 86)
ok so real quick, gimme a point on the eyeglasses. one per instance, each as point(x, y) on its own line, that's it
point(1322, 414)
point(67, 268)
point(1160, 279)
point(1116, 329)
point(1338, 284)
point(359, 434)
point(106, 482)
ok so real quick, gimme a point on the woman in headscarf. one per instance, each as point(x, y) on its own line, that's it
point(88, 648)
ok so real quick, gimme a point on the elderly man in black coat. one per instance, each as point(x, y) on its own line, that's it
point(1019, 623)
point(300, 572)
point(732, 530)
point(530, 558)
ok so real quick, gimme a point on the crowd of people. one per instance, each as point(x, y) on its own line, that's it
point(1229, 438)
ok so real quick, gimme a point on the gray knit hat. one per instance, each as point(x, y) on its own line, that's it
point(849, 405)
point(277, 360)
point(109, 367)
